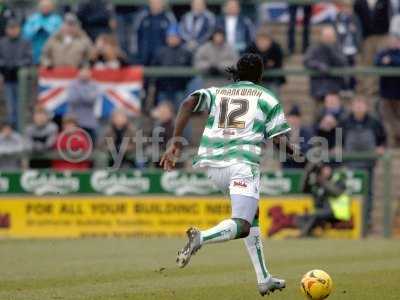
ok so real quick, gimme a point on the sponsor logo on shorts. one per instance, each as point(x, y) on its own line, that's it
point(241, 184)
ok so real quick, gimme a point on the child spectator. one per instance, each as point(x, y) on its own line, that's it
point(107, 54)
point(15, 53)
point(151, 27)
point(239, 30)
point(12, 145)
point(173, 54)
point(82, 96)
point(41, 136)
point(74, 145)
point(197, 25)
point(70, 47)
point(390, 89)
point(321, 57)
point(272, 56)
point(40, 26)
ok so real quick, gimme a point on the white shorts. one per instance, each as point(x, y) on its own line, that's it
point(242, 181)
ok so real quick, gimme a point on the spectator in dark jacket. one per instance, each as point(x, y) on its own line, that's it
point(239, 30)
point(363, 133)
point(118, 138)
point(173, 54)
point(197, 25)
point(41, 136)
point(348, 30)
point(307, 10)
point(15, 53)
point(11, 145)
point(150, 28)
point(328, 120)
point(390, 89)
point(96, 16)
point(272, 56)
point(5, 14)
point(321, 57)
point(375, 18)
point(82, 96)
point(300, 136)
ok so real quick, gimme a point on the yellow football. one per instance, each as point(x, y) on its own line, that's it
point(316, 285)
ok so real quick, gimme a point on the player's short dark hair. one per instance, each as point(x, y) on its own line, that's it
point(248, 68)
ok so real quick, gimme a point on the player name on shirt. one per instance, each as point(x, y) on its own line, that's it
point(244, 92)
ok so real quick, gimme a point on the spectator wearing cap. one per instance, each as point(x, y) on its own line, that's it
point(329, 118)
point(389, 88)
point(272, 56)
point(239, 30)
point(82, 96)
point(150, 30)
point(12, 145)
point(321, 57)
point(40, 26)
point(174, 54)
point(75, 144)
point(70, 47)
point(15, 53)
point(213, 57)
point(197, 25)
point(300, 135)
point(41, 136)
point(107, 53)
point(96, 17)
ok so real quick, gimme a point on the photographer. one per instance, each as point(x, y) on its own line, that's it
point(331, 202)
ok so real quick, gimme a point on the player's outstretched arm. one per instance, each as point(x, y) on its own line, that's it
point(171, 155)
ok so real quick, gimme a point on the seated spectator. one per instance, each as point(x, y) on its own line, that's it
point(348, 31)
point(321, 57)
point(118, 141)
point(307, 10)
point(173, 54)
point(300, 136)
point(363, 133)
point(197, 25)
point(40, 26)
point(107, 54)
point(70, 47)
point(41, 136)
point(82, 96)
point(239, 30)
point(12, 145)
point(74, 144)
point(96, 17)
point(272, 56)
point(213, 57)
point(15, 53)
point(389, 89)
point(332, 114)
point(151, 27)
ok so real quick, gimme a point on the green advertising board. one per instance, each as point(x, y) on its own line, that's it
point(104, 182)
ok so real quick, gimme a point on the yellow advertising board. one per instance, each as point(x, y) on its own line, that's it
point(74, 217)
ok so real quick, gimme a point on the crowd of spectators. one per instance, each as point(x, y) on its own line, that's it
point(88, 36)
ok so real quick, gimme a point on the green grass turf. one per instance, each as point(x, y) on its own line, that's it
point(125, 269)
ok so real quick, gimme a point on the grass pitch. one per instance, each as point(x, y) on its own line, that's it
point(127, 269)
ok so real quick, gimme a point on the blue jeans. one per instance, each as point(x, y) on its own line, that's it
point(11, 97)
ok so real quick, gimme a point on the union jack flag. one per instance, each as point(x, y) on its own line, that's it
point(118, 89)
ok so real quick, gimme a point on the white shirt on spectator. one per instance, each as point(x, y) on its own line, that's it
point(230, 27)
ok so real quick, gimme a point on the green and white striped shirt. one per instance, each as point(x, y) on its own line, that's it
point(241, 117)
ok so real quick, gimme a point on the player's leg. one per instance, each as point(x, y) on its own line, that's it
point(253, 242)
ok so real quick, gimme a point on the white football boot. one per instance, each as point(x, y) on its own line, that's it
point(191, 247)
point(271, 285)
